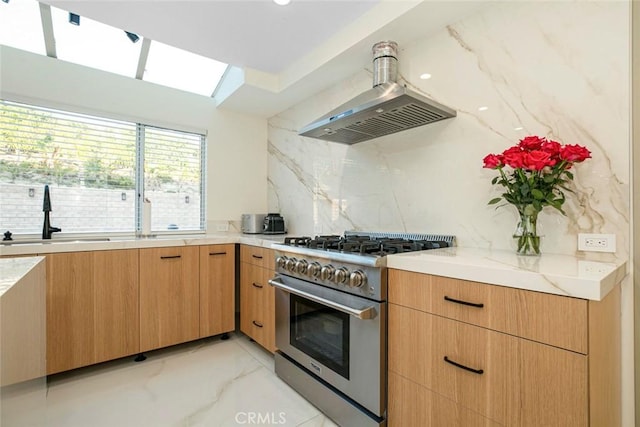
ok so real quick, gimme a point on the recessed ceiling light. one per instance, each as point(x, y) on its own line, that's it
point(425, 76)
point(483, 108)
point(282, 2)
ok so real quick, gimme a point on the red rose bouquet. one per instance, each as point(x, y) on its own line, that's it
point(534, 174)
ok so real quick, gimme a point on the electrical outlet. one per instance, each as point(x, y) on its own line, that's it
point(222, 227)
point(597, 242)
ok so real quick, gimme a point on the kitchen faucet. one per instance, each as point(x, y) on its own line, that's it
point(47, 229)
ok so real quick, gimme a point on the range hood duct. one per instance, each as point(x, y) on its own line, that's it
point(385, 109)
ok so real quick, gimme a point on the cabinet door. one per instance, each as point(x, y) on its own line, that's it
point(69, 311)
point(92, 308)
point(116, 304)
point(217, 289)
point(257, 305)
point(169, 296)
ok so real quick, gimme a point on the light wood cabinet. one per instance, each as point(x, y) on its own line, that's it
point(541, 317)
point(499, 356)
point(414, 405)
point(169, 296)
point(217, 289)
point(23, 329)
point(257, 297)
point(103, 305)
point(258, 256)
point(92, 307)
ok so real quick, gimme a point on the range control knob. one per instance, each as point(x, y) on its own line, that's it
point(327, 272)
point(281, 261)
point(342, 274)
point(357, 279)
point(291, 264)
point(301, 266)
point(313, 269)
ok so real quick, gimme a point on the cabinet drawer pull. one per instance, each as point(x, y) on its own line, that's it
point(256, 256)
point(466, 368)
point(255, 285)
point(171, 256)
point(217, 253)
point(457, 301)
point(258, 324)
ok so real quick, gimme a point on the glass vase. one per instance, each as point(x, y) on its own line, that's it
point(526, 234)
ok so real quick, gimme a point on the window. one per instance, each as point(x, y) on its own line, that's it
point(95, 169)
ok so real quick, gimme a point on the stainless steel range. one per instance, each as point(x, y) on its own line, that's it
point(331, 319)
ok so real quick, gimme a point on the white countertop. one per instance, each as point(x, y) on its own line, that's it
point(14, 269)
point(135, 242)
point(590, 276)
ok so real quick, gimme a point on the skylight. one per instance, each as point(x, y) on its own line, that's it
point(184, 70)
point(20, 26)
point(106, 48)
point(94, 44)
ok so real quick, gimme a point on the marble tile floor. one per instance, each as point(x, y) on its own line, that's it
point(208, 383)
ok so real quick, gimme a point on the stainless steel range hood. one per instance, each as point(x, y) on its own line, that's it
point(385, 109)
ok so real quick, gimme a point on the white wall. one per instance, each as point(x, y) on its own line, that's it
point(237, 160)
point(536, 65)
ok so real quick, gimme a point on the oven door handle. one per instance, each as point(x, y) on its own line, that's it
point(365, 313)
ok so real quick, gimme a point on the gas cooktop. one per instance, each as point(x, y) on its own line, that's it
point(372, 244)
point(354, 263)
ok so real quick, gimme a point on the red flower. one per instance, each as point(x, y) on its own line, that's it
point(535, 172)
point(536, 160)
point(574, 153)
point(531, 143)
point(551, 147)
point(514, 157)
point(493, 161)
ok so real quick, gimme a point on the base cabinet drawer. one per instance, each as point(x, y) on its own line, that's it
point(412, 405)
point(550, 319)
point(511, 380)
point(256, 255)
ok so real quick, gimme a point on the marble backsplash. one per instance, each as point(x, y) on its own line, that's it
point(539, 68)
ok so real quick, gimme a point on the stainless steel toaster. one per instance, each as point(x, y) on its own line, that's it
point(252, 223)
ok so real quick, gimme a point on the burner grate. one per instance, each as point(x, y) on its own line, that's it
point(451, 240)
point(376, 244)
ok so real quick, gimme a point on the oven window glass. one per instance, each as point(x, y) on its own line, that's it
point(320, 332)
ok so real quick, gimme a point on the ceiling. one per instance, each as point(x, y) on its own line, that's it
point(280, 54)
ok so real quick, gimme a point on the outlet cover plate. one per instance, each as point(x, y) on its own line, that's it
point(597, 242)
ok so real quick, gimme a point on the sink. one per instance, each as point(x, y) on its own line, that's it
point(54, 240)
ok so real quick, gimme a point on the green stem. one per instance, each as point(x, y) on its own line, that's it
point(527, 233)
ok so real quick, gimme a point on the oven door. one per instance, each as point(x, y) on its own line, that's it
point(338, 337)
